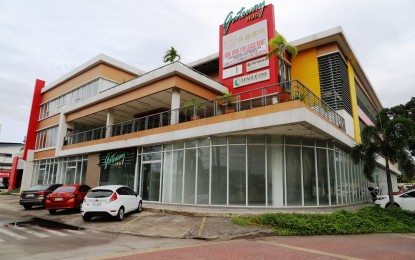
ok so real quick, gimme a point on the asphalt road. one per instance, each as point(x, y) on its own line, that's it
point(27, 234)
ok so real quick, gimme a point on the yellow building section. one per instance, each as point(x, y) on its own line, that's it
point(353, 98)
point(304, 67)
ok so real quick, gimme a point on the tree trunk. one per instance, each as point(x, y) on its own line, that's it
point(389, 181)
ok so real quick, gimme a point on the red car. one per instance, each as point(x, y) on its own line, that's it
point(69, 196)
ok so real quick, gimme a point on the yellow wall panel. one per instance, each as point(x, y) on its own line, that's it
point(304, 67)
point(353, 98)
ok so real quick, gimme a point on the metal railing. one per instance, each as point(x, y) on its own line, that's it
point(260, 97)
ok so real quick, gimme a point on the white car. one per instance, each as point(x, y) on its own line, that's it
point(110, 200)
point(405, 200)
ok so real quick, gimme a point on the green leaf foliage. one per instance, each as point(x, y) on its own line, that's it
point(366, 220)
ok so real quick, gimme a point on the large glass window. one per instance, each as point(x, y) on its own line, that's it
point(237, 175)
point(309, 177)
point(293, 176)
point(203, 165)
point(190, 176)
point(46, 138)
point(251, 171)
point(219, 175)
point(256, 175)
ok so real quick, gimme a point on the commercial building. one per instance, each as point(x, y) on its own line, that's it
point(168, 135)
point(11, 165)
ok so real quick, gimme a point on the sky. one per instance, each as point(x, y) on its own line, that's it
point(45, 39)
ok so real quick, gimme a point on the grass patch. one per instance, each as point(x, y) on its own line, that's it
point(10, 192)
point(362, 221)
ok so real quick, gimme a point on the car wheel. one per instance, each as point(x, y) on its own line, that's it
point(86, 218)
point(120, 215)
point(140, 207)
point(27, 206)
point(389, 205)
point(52, 211)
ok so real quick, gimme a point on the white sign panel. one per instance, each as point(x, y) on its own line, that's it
point(251, 78)
point(245, 44)
point(257, 64)
point(232, 71)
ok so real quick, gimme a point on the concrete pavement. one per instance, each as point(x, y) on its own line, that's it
point(169, 221)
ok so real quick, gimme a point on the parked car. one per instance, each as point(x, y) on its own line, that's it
point(68, 196)
point(36, 195)
point(405, 200)
point(110, 200)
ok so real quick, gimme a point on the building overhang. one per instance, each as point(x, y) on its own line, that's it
point(100, 59)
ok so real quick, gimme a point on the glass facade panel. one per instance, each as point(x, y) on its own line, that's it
point(256, 175)
point(189, 176)
point(177, 177)
point(167, 176)
point(203, 165)
point(332, 175)
point(323, 180)
point(275, 175)
point(293, 176)
point(237, 176)
point(219, 175)
point(309, 177)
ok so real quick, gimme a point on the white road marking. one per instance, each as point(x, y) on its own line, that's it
point(52, 231)
point(12, 234)
point(75, 231)
point(38, 234)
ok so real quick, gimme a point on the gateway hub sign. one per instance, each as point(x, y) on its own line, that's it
point(251, 78)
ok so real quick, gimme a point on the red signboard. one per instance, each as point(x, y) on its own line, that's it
point(4, 174)
point(243, 45)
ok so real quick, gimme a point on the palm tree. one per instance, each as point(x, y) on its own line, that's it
point(171, 55)
point(279, 46)
point(390, 138)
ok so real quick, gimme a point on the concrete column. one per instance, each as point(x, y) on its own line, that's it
point(110, 122)
point(175, 104)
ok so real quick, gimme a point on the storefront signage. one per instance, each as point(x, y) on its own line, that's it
point(257, 64)
point(114, 159)
point(4, 174)
point(251, 78)
point(243, 13)
point(245, 44)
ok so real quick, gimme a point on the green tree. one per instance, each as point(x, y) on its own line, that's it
point(171, 55)
point(279, 46)
point(390, 138)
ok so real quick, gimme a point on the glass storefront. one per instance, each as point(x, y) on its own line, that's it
point(117, 167)
point(244, 170)
point(274, 171)
point(67, 170)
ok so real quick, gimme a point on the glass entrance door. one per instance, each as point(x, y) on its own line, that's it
point(151, 181)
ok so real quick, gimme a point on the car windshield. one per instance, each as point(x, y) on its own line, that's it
point(64, 189)
point(99, 193)
point(39, 187)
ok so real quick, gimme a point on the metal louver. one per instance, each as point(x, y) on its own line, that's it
point(334, 82)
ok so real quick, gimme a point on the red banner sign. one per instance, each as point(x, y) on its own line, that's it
point(4, 174)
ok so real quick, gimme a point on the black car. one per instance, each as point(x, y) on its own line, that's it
point(36, 196)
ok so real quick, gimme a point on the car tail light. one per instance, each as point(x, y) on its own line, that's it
point(72, 196)
point(113, 197)
point(42, 193)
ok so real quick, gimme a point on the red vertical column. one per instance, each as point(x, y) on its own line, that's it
point(34, 116)
point(13, 173)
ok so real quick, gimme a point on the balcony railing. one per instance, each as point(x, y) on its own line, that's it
point(242, 101)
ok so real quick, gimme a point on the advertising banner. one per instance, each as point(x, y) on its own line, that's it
point(245, 44)
point(4, 174)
